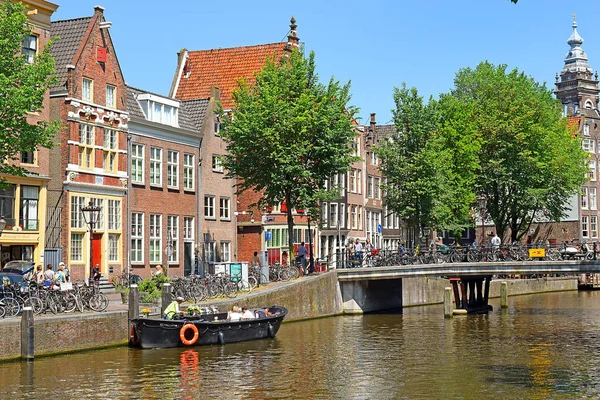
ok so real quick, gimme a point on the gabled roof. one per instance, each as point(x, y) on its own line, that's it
point(384, 131)
point(190, 116)
point(70, 33)
point(221, 68)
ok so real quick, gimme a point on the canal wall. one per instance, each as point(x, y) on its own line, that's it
point(65, 333)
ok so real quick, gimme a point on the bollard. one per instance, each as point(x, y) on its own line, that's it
point(27, 334)
point(134, 302)
point(504, 295)
point(448, 304)
point(167, 297)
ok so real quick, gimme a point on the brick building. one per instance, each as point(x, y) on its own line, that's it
point(23, 202)
point(197, 73)
point(164, 151)
point(89, 161)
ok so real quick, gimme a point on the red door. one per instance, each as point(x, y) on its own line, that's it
point(97, 250)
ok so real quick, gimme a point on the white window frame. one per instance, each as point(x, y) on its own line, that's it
point(113, 247)
point(333, 214)
point(592, 172)
point(76, 246)
point(188, 171)
point(370, 186)
point(87, 89)
point(209, 207)
point(188, 229)
point(111, 96)
point(588, 145)
point(211, 251)
point(137, 163)
point(225, 208)
point(137, 238)
point(584, 198)
point(29, 48)
point(343, 218)
point(156, 166)
point(592, 199)
point(114, 215)
point(155, 236)
point(77, 220)
point(173, 169)
point(217, 164)
point(86, 146)
point(111, 150)
point(225, 251)
point(584, 227)
point(594, 226)
point(173, 229)
point(377, 188)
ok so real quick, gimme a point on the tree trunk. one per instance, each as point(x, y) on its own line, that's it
point(290, 223)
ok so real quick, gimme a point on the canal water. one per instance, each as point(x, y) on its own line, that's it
point(543, 347)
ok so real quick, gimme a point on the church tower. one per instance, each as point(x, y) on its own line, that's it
point(578, 87)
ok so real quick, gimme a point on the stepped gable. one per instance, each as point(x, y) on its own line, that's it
point(70, 33)
point(222, 68)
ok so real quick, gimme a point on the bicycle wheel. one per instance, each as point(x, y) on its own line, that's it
point(11, 307)
point(252, 281)
point(230, 289)
point(79, 303)
point(70, 302)
point(98, 302)
point(244, 286)
point(2, 311)
point(36, 304)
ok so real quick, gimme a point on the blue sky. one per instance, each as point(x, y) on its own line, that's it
point(376, 44)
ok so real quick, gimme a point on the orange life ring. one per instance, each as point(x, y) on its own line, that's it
point(133, 339)
point(184, 330)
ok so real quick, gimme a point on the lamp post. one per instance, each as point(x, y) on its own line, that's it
point(482, 201)
point(93, 211)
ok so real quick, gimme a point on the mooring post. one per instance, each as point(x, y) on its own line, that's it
point(134, 302)
point(448, 308)
point(167, 297)
point(504, 295)
point(27, 334)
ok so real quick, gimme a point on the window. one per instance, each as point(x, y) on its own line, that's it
point(110, 150)
point(155, 166)
point(224, 204)
point(370, 187)
point(173, 230)
point(353, 217)
point(86, 146)
point(29, 208)
point(374, 158)
point(359, 215)
point(297, 235)
point(76, 253)
point(114, 214)
point(352, 184)
point(325, 214)
point(7, 204)
point(225, 251)
point(87, 90)
point(333, 212)
point(113, 247)
point(592, 173)
point(173, 169)
point(137, 163)
point(155, 238)
point(188, 228)
point(586, 130)
point(28, 157)
point(137, 237)
point(111, 97)
point(217, 165)
point(188, 172)
point(159, 112)
point(209, 207)
point(211, 252)
point(358, 181)
point(584, 198)
point(29, 48)
point(76, 215)
point(592, 199)
point(588, 145)
point(378, 188)
point(217, 126)
point(342, 215)
point(584, 227)
point(100, 215)
point(594, 226)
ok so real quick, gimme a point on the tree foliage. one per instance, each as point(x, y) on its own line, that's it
point(22, 90)
point(420, 164)
point(288, 134)
point(530, 164)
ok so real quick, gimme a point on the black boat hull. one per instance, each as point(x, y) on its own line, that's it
point(159, 333)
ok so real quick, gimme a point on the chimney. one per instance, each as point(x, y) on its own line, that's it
point(98, 10)
point(215, 93)
point(293, 39)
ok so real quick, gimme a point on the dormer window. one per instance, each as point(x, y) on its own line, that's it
point(159, 109)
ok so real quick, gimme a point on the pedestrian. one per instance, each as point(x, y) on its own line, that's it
point(158, 270)
point(39, 274)
point(66, 271)
point(301, 256)
point(59, 277)
point(496, 241)
point(96, 275)
point(255, 260)
point(172, 311)
point(48, 275)
point(358, 250)
point(369, 251)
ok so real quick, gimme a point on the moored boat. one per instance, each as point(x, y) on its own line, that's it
point(203, 330)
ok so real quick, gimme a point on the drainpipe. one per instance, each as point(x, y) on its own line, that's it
point(197, 260)
point(127, 244)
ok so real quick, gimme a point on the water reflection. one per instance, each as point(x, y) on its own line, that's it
point(541, 347)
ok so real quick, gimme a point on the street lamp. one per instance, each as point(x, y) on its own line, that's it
point(93, 211)
point(482, 201)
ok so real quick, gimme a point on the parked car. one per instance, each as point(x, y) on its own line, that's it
point(13, 278)
point(19, 267)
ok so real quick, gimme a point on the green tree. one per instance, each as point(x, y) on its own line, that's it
point(288, 134)
point(420, 167)
point(530, 164)
point(22, 90)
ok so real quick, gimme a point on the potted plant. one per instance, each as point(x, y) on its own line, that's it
point(193, 310)
point(124, 293)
